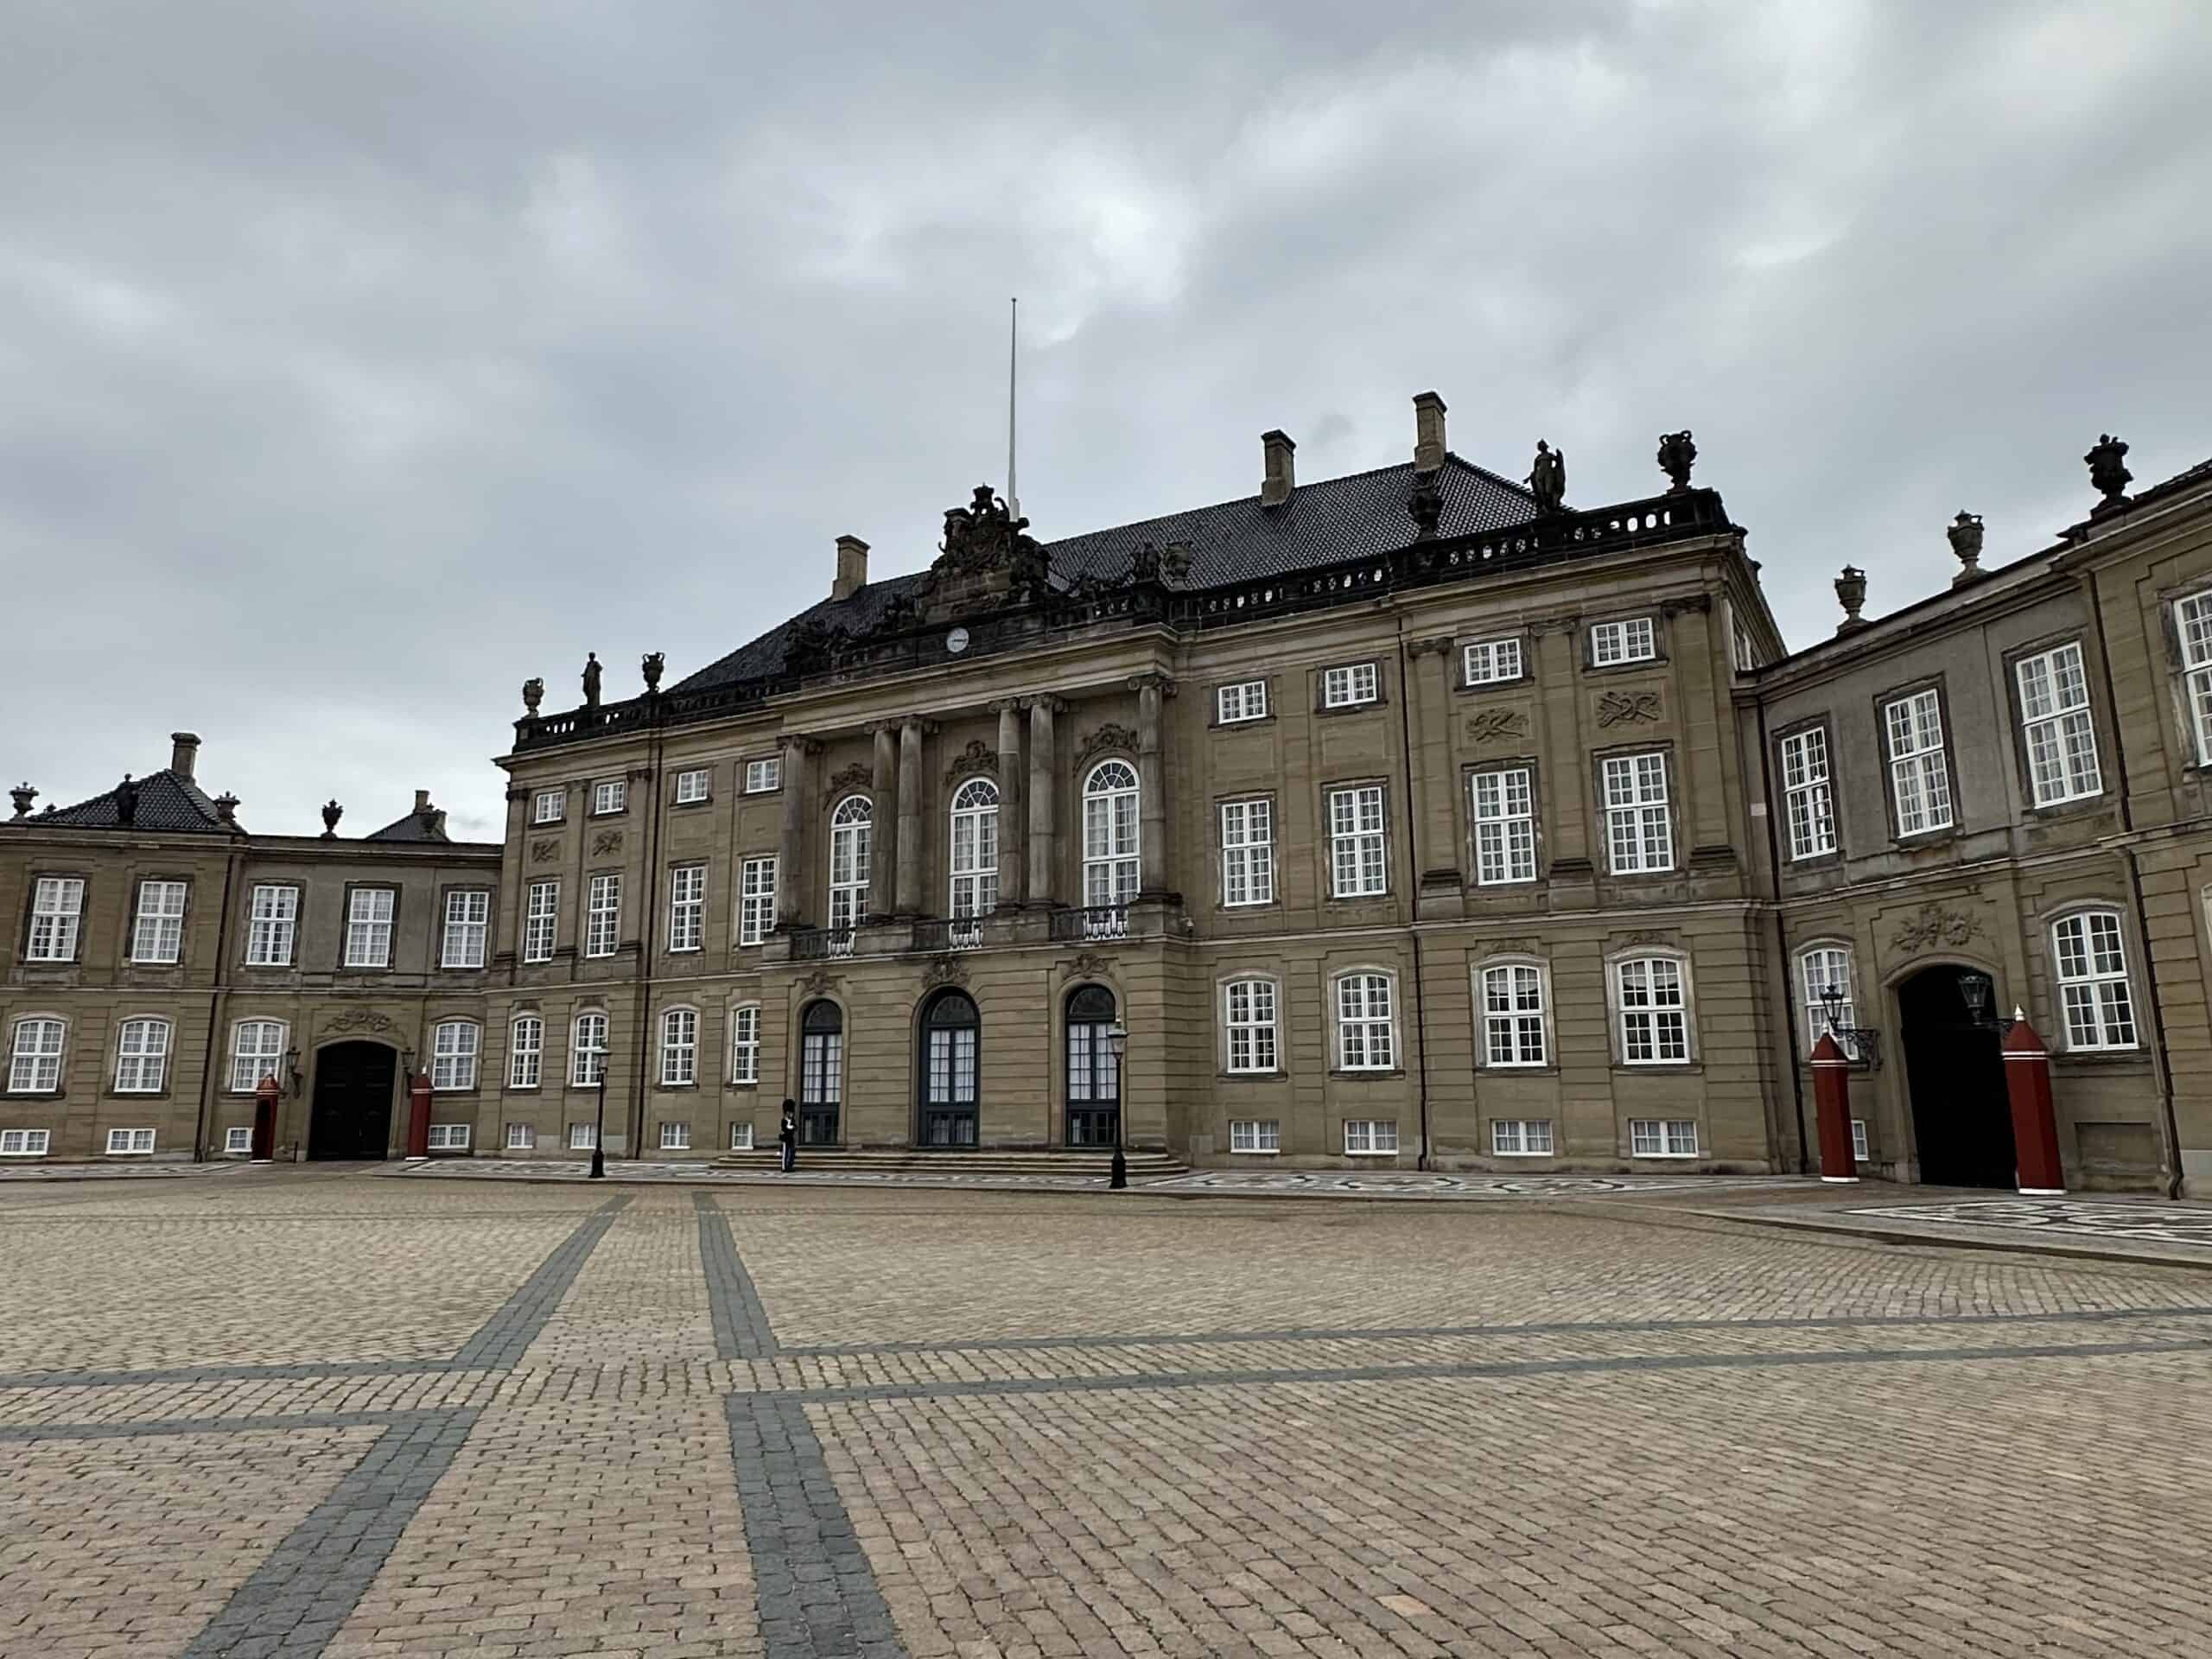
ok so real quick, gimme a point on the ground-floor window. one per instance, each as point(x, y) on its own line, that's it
point(952, 1036)
point(1657, 1137)
point(1094, 1071)
point(520, 1137)
point(1860, 1141)
point(23, 1143)
point(120, 1141)
point(676, 1137)
point(1368, 1137)
point(238, 1140)
point(449, 1137)
point(1254, 1135)
point(1521, 1137)
point(582, 1137)
point(741, 1137)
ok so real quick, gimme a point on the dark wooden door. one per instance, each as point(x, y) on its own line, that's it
point(351, 1117)
point(1961, 1119)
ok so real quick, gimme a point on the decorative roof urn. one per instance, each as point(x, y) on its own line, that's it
point(1425, 503)
point(1677, 454)
point(226, 810)
point(2108, 472)
point(331, 813)
point(650, 667)
point(1965, 541)
point(533, 693)
point(1851, 594)
point(22, 795)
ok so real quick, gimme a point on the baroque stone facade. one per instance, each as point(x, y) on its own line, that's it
point(1394, 818)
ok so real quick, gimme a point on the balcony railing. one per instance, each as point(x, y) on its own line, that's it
point(816, 943)
point(1090, 923)
point(961, 933)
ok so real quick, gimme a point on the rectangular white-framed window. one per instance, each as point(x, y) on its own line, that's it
point(1367, 1031)
point(257, 1051)
point(741, 1137)
point(1489, 662)
point(1358, 856)
point(1248, 852)
point(272, 926)
point(2093, 984)
point(468, 924)
point(1920, 773)
point(603, 917)
point(1370, 1137)
point(1255, 1134)
point(1639, 830)
point(691, 785)
point(1662, 1137)
point(582, 1137)
point(541, 927)
point(24, 1143)
point(1808, 798)
point(679, 1048)
point(368, 926)
point(34, 1056)
point(57, 910)
point(455, 1044)
point(588, 1051)
point(676, 1137)
point(1513, 1015)
point(764, 776)
point(1521, 1137)
point(549, 806)
point(1505, 826)
point(449, 1137)
point(1351, 685)
point(526, 1051)
point(1819, 968)
point(521, 1137)
point(1249, 1018)
point(2061, 737)
point(1246, 700)
point(687, 908)
point(1861, 1141)
point(238, 1137)
point(157, 937)
point(745, 1043)
point(1654, 1011)
point(1632, 639)
point(756, 903)
point(2193, 629)
point(141, 1056)
point(122, 1143)
point(610, 796)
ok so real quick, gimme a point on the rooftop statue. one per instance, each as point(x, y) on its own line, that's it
point(1546, 479)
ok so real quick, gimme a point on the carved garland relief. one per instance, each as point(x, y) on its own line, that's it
point(1628, 707)
point(1932, 927)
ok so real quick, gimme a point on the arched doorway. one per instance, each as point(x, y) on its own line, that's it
point(821, 1073)
point(1094, 1075)
point(951, 1037)
point(352, 1114)
point(1955, 1073)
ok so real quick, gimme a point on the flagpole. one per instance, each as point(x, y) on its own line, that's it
point(1013, 318)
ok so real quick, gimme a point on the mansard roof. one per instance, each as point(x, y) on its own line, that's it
point(168, 804)
point(427, 824)
point(1322, 523)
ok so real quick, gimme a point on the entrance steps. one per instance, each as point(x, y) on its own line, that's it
point(907, 1161)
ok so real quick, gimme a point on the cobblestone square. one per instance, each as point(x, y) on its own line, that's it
point(293, 1412)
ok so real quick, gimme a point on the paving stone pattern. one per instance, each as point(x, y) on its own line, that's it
point(523, 1422)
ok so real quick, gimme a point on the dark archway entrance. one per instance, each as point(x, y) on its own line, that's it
point(1955, 1072)
point(821, 1073)
point(352, 1116)
point(951, 1035)
point(1094, 1075)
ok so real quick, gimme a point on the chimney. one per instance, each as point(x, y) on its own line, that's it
point(184, 750)
point(1428, 432)
point(852, 567)
point(1281, 477)
point(421, 800)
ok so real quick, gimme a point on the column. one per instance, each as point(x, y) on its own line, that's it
point(1566, 756)
point(1042, 796)
point(888, 839)
point(1152, 690)
point(1433, 791)
point(908, 882)
point(1013, 824)
point(797, 781)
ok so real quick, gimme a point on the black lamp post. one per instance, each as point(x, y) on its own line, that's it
point(598, 1129)
point(1117, 1044)
point(1976, 990)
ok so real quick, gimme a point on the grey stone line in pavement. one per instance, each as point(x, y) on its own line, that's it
point(741, 1323)
point(497, 1346)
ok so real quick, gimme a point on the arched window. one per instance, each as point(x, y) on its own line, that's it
point(1818, 967)
point(852, 835)
point(141, 1056)
point(588, 1051)
point(951, 1033)
point(1109, 835)
point(679, 1050)
point(453, 1046)
point(1513, 1014)
point(976, 849)
point(821, 1073)
point(525, 1051)
point(1094, 1074)
point(1367, 1025)
point(257, 1051)
point(2093, 981)
point(34, 1058)
point(745, 1043)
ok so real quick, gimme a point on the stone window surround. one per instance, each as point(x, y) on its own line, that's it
point(1325, 842)
point(672, 870)
point(1533, 765)
point(2016, 718)
point(1825, 723)
point(139, 880)
point(1616, 1037)
point(245, 925)
point(516, 1015)
point(1801, 993)
point(1333, 1012)
point(1526, 677)
point(168, 1057)
point(597, 811)
point(1654, 612)
point(584, 915)
point(231, 1049)
point(1603, 830)
point(1477, 967)
point(1224, 1070)
point(445, 923)
point(16, 1023)
point(345, 925)
point(430, 1060)
point(1214, 721)
point(2043, 929)
point(557, 792)
point(1327, 710)
point(746, 763)
point(677, 799)
point(1897, 693)
point(1273, 901)
point(2196, 744)
point(663, 1048)
point(76, 956)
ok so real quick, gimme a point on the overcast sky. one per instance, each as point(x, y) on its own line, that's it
point(362, 360)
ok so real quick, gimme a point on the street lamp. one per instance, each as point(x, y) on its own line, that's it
point(598, 1129)
point(1117, 1044)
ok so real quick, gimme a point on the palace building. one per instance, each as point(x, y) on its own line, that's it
point(1411, 816)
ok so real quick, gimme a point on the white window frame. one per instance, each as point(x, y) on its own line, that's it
point(1250, 1020)
point(1808, 793)
point(608, 797)
point(588, 1048)
point(520, 1137)
point(741, 1137)
point(1513, 1003)
point(692, 784)
point(25, 1143)
point(1822, 962)
point(1370, 1137)
point(525, 1051)
point(2057, 727)
point(675, 1137)
point(1359, 841)
point(1243, 701)
point(1651, 1001)
point(1626, 639)
point(1255, 1137)
point(1662, 1137)
point(1491, 662)
point(852, 861)
point(57, 918)
point(687, 909)
point(1351, 685)
point(142, 1066)
point(2088, 953)
point(1522, 1137)
point(582, 1137)
point(238, 1137)
point(1502, 800)
point(1247, 853)
point(1639, 813)
point(449, 1137)
point(1920, 764)
point(603, 914)
point(157, 932)
point(273, 923)
point(756, 900)
point(38, 1047)
point(262, 1057)
point(973, 848)
point(1113, 835)
point(1862, 1142)
point(745, 1043)
point(1364, 1004)
point(456, 1048)
point(549, 806)
point(541, 927)
point(679, 1047)
point(133, 1143)
point(2193, 630)
point(764, 776)
point(467, 930)
point(369, 925)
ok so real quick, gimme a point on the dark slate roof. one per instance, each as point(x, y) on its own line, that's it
point(429, 824)
point(1233, 541)
point(168, 803)
point(2179, 482)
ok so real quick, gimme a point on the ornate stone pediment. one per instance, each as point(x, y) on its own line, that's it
point(1087, 965)
point(945, 971)
point(855, 776)
point(976, 757)
point(1935, 927)
point(820, 982)
point(359, 1019)
point(1108, 736)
